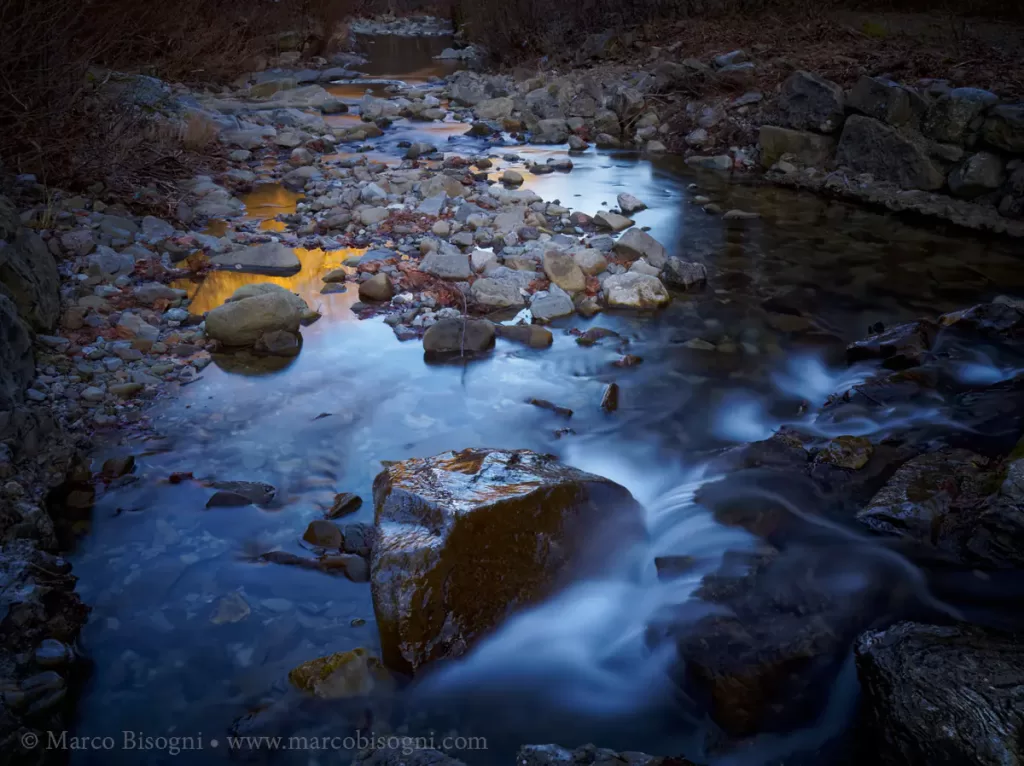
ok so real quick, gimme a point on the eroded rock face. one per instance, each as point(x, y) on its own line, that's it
point(28, 276)
point(941, 695)
point(465, 538)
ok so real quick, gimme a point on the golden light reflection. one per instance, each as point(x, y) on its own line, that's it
point(218, 286)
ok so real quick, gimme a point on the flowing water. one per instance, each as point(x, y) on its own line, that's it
point(153, 562)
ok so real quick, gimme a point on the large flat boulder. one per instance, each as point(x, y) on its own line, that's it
point(243, 322)
point(466, 538)
point(948, 694)
point(868, 146)
point(271, 258)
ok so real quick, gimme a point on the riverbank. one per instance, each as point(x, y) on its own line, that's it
point(167, 328)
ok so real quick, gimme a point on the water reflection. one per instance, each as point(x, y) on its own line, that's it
point(216, 287)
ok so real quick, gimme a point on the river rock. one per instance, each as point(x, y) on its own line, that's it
point(244, 322)
point(550, 131)
point(941, 694)
point(552, 304)
point(497, 294)
point(1004, 128)
point(979, 174)
point(376, 288)
point(629, 204)
point(811, 149)
point(683, 275)
point(635, 291)
point(886, 101)
point(447, 265)
point(945, 500)
point(899, 347)
point(562, 270)
point(265, 288)
point(512, 178)
point(495, 108)
point(465, 538)
point(949, 117)
point(636, 243)
point(530, 335)
point(612, 221)
point(590, 261)
point(271, 258)
point(355, 673)
point(810, 102)
point(452, 337)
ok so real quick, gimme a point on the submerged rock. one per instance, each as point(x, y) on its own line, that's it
point(465, 538)
point(356, 673)
point(932, 695)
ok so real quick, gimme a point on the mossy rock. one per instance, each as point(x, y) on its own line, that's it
point(356, 673)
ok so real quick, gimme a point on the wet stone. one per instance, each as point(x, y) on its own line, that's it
point(242, 493)
point(900, 347)
point(356, 673)
point(230, 609)
point(851, 452)
point(323, 534)
point(52, 654)
point(344, 504)
point(463, 536)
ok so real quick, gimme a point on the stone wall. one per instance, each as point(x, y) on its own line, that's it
point(961, 144)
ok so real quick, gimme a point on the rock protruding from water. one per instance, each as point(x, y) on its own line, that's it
point(941, 695)
point(243, 322)
point(465, 538)
point(271, 258)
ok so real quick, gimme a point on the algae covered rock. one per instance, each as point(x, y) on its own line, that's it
point(338, 676)
point(465, 538)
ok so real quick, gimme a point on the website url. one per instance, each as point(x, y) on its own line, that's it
point(406, 745)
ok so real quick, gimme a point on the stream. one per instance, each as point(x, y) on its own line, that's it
point(787, 291)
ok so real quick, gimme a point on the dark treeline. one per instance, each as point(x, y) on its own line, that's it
point(513, 28)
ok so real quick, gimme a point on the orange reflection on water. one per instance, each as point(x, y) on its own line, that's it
point(218, 286)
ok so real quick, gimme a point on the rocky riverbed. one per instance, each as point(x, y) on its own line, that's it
point(188, 407)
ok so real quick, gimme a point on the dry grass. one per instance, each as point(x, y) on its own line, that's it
point(57, 125)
